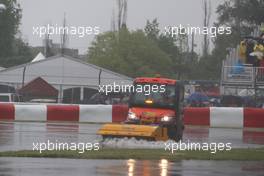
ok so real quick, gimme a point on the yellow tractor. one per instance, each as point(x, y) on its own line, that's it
point(155, 112)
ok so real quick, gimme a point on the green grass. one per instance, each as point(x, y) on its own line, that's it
point(144, 154)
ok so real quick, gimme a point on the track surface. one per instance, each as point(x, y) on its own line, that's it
point(69, 167)
point(22, 135)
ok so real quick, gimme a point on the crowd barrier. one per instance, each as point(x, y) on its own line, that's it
point(208, 116)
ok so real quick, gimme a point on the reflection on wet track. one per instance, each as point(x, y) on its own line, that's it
point(21, 135)
point(69, 167)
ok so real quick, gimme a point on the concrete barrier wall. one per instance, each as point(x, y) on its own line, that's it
point(226, 117)
point(71, 113)
point(7, 111)
point(30, 112)
point(254, 117)
point(212, 117)
point(119, 113)
point(197, 116)
point(96, 113)
point(63, 113)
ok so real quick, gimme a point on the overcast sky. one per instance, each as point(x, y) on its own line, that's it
point(99, 13)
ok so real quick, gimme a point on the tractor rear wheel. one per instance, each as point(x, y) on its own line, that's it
point(175, 132)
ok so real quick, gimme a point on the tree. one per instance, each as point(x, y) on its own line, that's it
point(152, 29)
point(144, 53)
point(9, 23)
point(13, 50)
point(132, 54)
point(122, 13)
point(242, 16)
point(22, 53)
point(206, 23)
point(175, 47)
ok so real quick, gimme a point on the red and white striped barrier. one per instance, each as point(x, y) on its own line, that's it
point(212, 117)
point(74, 113)
point(225, 117)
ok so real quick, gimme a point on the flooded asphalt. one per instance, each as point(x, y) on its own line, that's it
point(69, 167)
point(22, 135)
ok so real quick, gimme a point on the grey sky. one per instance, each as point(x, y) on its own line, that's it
point(99, 13)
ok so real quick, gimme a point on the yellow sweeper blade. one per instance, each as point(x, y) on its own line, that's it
point(138, 131)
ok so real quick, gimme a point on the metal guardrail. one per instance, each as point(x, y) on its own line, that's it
point(238, 75)
point(259, 75)
point(243, 75)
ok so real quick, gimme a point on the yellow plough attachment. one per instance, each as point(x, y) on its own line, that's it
point(138, 131)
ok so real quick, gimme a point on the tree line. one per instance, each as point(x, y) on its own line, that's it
point(147, 51)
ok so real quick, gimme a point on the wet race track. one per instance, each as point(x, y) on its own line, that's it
point(69, 167)
point(22, 135)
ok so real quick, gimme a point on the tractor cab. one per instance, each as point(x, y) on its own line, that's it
point(155, 112)
point(159, 102)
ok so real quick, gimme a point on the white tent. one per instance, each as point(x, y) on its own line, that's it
point(39, 57)
point(62, 72)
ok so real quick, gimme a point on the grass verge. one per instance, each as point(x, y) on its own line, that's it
point(144, 154)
